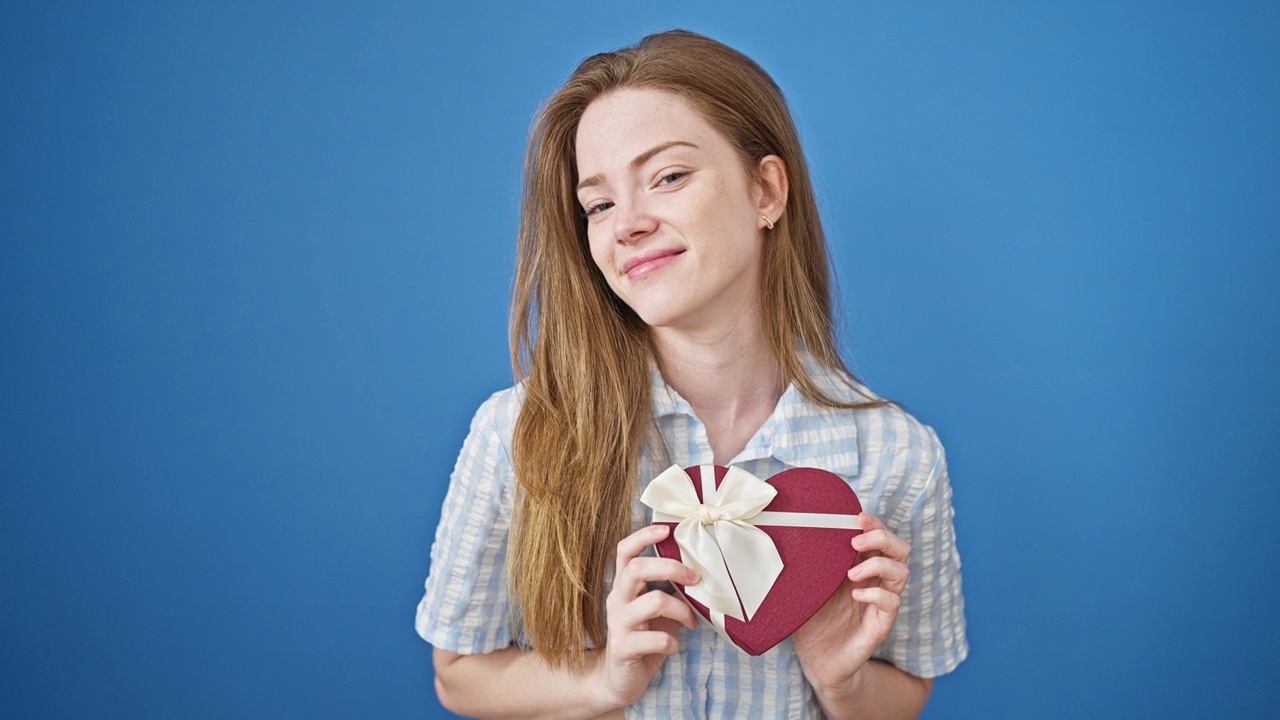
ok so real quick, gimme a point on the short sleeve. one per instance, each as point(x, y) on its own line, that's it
point(928, 638)
point(466, 608)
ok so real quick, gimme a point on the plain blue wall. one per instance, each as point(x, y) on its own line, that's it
point(254, 266)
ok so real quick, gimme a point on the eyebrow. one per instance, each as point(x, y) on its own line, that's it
point(637, 161)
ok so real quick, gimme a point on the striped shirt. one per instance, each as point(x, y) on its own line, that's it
point(894, 463)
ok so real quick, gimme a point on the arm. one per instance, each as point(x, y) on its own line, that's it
point(515, 683)
point(642, 627)
point(879, 691)
point(906, 607)
point(836, 644)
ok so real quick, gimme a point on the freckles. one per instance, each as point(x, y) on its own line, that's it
point(597, 244)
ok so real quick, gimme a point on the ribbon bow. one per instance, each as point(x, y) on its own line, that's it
point(737, 562)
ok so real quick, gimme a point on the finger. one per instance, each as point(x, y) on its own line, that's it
point(870, 522)
point(635, 576)
point(645, 642)
point(881, 541)
point(668, 625)
point(881, 571)
point(632, 545)
point(651, 607)
point(884, 600)
point(641, 612)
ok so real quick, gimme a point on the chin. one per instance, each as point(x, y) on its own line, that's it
point(656, 316)
point(669, 319)
point(652, 308)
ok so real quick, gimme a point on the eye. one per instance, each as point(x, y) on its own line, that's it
point(596, 208)
point(672, 177)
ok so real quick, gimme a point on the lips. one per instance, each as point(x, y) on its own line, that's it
point(648, 262)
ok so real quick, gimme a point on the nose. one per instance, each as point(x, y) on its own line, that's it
point(632, 221)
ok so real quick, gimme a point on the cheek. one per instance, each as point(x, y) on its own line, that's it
point(601, 252)
point(730, 214)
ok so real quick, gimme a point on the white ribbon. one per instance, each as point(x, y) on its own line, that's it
point(736, 561)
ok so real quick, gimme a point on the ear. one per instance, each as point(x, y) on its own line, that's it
point(770, 192)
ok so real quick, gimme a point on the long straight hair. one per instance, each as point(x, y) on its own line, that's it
point(585, 357)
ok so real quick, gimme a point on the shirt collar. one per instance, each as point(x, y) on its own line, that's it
point(799, 432)
point(666, 401)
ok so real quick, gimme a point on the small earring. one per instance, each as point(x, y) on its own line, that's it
point(767, 221)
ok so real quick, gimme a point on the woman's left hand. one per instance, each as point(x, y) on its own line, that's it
point(840, 638)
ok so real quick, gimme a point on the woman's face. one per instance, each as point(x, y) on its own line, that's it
point(673, 218)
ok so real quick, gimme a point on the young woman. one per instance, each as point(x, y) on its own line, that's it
point(672, 305)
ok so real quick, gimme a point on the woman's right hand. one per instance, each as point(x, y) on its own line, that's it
point(642, 624)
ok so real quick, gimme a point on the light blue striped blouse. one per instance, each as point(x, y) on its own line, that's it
point(893, 462)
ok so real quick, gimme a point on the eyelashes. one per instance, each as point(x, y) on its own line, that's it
point(666, 180)
point(596, 208)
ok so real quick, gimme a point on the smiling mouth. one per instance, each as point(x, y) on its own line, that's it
point(642, 265)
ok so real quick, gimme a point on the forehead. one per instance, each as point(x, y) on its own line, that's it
point(619, 126)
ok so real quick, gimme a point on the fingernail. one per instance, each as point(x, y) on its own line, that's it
point(692, 577)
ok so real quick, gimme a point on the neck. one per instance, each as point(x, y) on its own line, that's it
point(729, 376)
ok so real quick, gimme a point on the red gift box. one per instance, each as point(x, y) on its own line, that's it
point(810, 519)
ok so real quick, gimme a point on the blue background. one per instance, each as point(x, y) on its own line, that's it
point(254, 269)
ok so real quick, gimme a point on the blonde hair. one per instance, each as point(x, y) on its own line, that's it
point(585, 357)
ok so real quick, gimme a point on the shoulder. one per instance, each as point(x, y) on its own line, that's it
point(499, 411)
point(881, 426)
point(898, 457)
point(486, 452)
point(901, 460)
point(494, 421)
point(889, 432)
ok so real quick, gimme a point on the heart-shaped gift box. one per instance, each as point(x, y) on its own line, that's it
point(811, 521)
